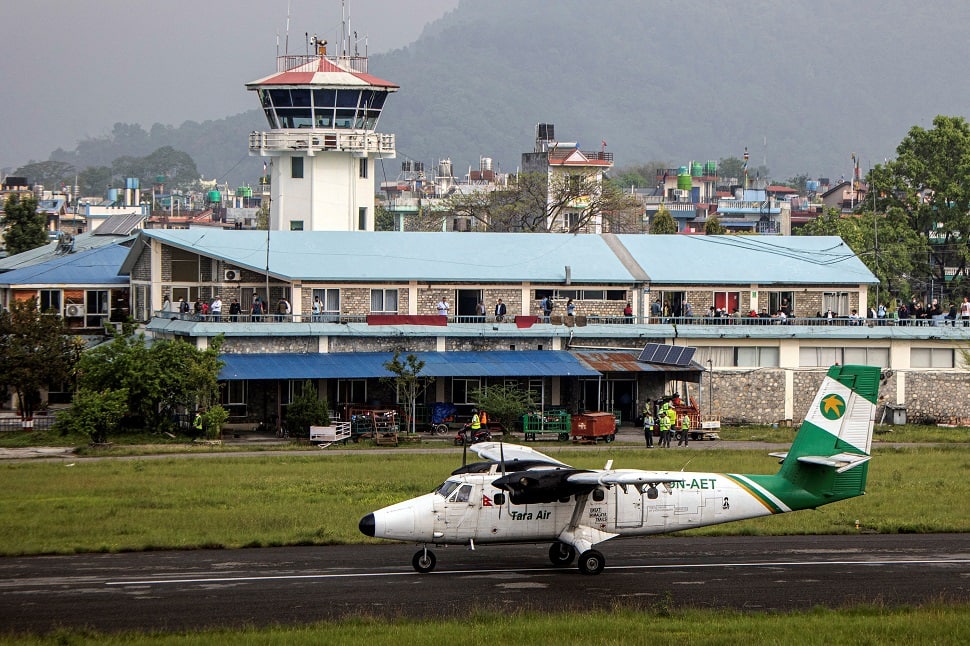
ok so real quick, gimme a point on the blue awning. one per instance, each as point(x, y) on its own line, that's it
point(368, 365)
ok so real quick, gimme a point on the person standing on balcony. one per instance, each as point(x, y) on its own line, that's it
point(443, 306)
point(216, 309)
point(500, 311)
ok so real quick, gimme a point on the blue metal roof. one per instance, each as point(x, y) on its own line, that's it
point(97, 266)
point(526, 257)
point(364, 365)
point(728, 259)
point(396, 255)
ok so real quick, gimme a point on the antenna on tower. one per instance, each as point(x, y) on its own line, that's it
point(286, 43)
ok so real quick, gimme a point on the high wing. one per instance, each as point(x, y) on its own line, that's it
point(500, 451)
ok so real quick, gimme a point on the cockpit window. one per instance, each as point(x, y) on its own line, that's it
point(446, 488)
point(462, 494)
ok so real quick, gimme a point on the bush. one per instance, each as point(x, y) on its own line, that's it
point(306, 410)
point(95, 414)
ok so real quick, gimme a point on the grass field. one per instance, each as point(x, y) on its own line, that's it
point(660, 625)
point(318, 497)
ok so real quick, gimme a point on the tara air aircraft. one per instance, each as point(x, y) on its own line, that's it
point(522, 496)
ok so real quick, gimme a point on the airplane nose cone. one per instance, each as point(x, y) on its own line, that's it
point(367, 525)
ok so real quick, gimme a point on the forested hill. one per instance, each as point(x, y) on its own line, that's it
point(803, 84)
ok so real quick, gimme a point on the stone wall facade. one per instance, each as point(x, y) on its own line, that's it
point(758, 397)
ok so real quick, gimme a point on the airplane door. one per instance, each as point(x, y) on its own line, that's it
point(629, 507)
point(459, 515)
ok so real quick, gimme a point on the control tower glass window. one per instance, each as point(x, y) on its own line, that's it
point(322, 108)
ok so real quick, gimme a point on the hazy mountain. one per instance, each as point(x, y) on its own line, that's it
point(803, 84)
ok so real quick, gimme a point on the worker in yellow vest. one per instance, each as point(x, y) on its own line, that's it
point(684, 429)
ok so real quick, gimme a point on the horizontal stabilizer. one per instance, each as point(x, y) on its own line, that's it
point(625, 477)
point(510, 452)
point(842, 461)
point(781, 456)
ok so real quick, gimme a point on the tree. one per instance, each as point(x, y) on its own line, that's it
point(383, 219)
point(504, 404)
point(662, 222)
point(306, 410)
point(532, 202)
point(50, 174)
point(35, 352)
point(929, 182)
point(163, 380)
point(26, 229)
point(713, 227)
point(899, 262)
point(95, 180)
point(408, 383)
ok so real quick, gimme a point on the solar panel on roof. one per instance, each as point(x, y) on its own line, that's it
point(671, 355)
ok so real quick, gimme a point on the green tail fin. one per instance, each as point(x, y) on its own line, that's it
point(828, 460)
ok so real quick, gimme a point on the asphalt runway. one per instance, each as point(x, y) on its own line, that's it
point(170, 591)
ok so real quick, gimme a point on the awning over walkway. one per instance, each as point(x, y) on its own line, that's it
point(626, 361)
point(365, 365)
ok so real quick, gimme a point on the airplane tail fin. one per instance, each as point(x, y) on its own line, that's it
point(828, 460)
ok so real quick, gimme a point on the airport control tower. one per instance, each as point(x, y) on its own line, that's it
point(322, 143)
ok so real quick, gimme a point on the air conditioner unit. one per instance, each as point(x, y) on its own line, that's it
point(74, 310)
point(681, 193)
point(230, 274)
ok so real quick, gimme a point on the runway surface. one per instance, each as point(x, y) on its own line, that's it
point(207, 588)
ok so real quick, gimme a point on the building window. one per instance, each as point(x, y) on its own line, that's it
point(383, 301)
point(866, 357)
point(296, 167)
point(185, 266)
point(296, 225)
point(351, 391)
point(362, 218)
point(461, 390)
point(838, 302)
point(96, 306)
point(362, 168)
point(756, 357)
point(931, 358)
point(50, 300)
point(330, 300)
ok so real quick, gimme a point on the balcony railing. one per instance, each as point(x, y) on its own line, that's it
point(314, 140)
point(579, 320)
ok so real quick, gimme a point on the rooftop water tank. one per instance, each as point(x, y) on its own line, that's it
point(214, 196)
point(710, 168)
point(696, 169)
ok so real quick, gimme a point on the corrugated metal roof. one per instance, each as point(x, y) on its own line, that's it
point(626, 361)
point(366, 365)
point(534, 257)
point(398, 256)
point(52, 250)
point(786, 260)
point(92, 267)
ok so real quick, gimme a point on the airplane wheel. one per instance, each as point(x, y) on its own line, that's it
point(561, 554)
point(424, 561)
point(591, 562)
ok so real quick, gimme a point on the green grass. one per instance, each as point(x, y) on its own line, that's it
point(317, 498)
point(657, 623)
point(884, 433)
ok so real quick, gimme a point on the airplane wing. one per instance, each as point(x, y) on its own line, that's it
point(511, 452)
point(625, 477)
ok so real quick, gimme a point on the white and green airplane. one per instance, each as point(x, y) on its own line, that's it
point(523, 496)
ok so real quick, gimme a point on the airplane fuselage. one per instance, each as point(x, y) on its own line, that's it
point(474, 510)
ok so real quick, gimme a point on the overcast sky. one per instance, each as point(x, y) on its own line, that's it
point(71, 69)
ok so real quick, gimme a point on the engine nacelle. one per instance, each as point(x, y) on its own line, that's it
point(540, 486)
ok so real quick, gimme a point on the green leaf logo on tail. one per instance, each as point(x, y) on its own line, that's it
point(832, 406)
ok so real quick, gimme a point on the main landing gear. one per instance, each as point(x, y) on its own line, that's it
point(590, 561)
point(561, 555)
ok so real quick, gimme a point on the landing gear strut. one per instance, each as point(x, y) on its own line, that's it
point(591, 562)
point(561, 554)
point(424, 560)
